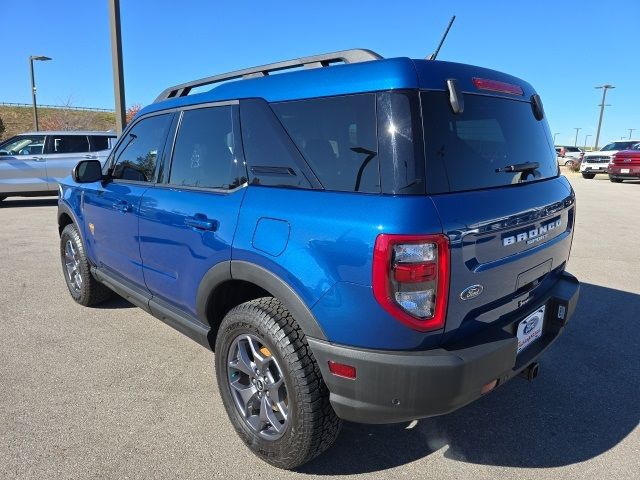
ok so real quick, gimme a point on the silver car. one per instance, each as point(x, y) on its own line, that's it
point(31, 164)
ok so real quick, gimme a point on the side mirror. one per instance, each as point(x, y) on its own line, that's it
point(87, 171)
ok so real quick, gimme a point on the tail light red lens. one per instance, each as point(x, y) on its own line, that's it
point(342, 370)
point(411, 278)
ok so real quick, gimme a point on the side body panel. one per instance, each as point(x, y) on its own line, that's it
point(327, 256)
point(23, 173)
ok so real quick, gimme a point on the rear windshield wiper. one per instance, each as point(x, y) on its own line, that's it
point(519, 167)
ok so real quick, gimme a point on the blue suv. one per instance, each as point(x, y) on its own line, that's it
point(364, 239)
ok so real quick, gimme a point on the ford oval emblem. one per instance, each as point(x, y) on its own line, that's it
point(471, 292)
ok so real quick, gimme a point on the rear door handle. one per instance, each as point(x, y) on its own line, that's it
point(201, 222)
point(90, 157)
point(38, 159)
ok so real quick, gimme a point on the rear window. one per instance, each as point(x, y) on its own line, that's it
point(338, 138)
point(467, 151)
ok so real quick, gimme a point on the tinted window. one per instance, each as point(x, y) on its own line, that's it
point(23, 145)
point(68, 144)
point(618, 146)
point(206, 152)
point(137, 153)
point(489, 135)
point(338, 138)
point(272, 157)
point(99, 142)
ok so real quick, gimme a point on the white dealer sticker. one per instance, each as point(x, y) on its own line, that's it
point(530, 329)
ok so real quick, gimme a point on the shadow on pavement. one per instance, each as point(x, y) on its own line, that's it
point(584, 402)
point(114, 303)
point(29, 202)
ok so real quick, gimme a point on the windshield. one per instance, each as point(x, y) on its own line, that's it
point(618, 146)
point(23, 145)
point(473, 149)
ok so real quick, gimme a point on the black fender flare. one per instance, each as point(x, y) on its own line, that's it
point(260, 276)
point(63, 208)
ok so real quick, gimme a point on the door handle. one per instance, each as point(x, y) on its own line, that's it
point(90, 157)
point(38, 159)
point(201, 222)
point(122, 206)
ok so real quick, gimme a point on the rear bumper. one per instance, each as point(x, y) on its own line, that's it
point(630, 171)
point(396, 386)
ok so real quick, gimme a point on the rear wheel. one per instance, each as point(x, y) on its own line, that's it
point(84, 289)
point(271, 385)
point(615, 180)
point(588, 175)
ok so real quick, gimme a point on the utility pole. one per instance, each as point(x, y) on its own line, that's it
point(577, 129)
point(554, 137)
point(116, 60)
point(631, 131)
point(604, 88)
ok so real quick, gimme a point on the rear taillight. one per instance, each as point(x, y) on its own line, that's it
point(411, 278)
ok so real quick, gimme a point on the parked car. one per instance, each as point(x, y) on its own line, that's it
point(377, 241)
point(32, 164)
point(598, 161)
point(568, 156)
point(625, 165)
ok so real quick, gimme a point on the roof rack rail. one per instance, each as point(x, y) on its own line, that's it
point(314, 61)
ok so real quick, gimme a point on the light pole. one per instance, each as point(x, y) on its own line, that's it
point(116, 60)
point(604, 88)
point(554, 137)
point(577, 129)
point(631, 131)
point(585, 139)
point(41, 58)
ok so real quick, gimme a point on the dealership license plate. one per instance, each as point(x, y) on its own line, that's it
point(530, 329)
point(624, 170)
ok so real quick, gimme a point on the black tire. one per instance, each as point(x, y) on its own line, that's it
point(614, 179)
point(588, 175)
point(88, 291)
point(312, 426)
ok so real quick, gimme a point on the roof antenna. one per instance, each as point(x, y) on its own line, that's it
point(446, 32)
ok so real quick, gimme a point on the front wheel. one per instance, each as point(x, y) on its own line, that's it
point(271, 385)
point(588, 175)
point(84, 289)
point(615, 180)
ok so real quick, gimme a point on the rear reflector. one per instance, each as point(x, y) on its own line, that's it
point(342, 370)
point(497, 86)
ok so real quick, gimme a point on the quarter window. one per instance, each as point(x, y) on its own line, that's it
point(137, 154)
point(338, 138)
point(206, 152)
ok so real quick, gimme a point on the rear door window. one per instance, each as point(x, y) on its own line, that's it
point(206, 152)
point(467, 151)
point(338, 138)
point(68, 144)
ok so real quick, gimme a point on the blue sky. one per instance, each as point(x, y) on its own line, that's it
point(563, 48)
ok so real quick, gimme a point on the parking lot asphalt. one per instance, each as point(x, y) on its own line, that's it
point(111, 392)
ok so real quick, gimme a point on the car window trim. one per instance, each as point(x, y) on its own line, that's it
point(181, 110)
point(111, 159)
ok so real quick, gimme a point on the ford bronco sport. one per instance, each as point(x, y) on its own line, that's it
point(375, 240)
